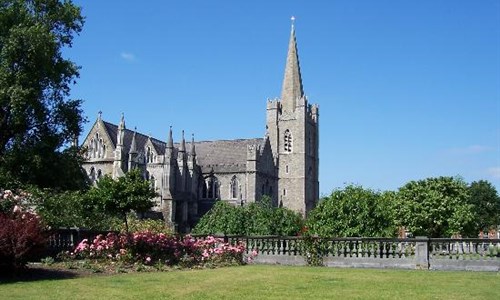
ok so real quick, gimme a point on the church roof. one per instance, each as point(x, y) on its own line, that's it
point(224, 155)
point(221, 155)
point(140, 139)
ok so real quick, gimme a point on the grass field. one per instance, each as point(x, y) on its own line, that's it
point(265, 282)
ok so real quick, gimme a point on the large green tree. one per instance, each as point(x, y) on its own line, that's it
point(353, 211)
point(72, 209)
point(435, 207)
point(119, 197)
point(256, 218)
point(486, 201)
point(37, 120)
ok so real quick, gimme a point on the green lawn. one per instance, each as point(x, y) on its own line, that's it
point(265, 282)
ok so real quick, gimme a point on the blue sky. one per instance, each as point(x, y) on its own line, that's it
point(406, 89)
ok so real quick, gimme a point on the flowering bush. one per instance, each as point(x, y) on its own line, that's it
point(149, 248)
point(22, 234)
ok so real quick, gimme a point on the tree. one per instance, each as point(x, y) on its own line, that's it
point(256, 218)
point(72, 209)
point(129, 193)
point(222, 218)
point(37, 121)
point(486, 201)
point(352, 212)
point(434, 207)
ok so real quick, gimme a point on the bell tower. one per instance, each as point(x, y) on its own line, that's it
point(292, 127)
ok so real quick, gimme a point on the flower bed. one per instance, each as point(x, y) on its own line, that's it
point(146, 248)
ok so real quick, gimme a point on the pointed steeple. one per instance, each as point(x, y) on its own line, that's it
point(122, 122)
point(170, 142)
point(193, 149)
point(121, 131)
point(133, 145)
point(292, 83)
point(182, 147)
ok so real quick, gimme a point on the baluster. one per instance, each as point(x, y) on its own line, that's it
point(384, 249)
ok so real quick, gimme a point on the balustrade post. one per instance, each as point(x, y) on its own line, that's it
point(422, 252)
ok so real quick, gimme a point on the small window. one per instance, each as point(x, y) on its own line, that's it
point(286, 169)
point(234, 187)
point(153, 182)
point(92, 175)
point(287, 142)
point(149, 155)
point(284, 192)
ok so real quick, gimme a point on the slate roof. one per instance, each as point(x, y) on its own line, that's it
point(140, 139)
point(221, 155)
point(226, 154)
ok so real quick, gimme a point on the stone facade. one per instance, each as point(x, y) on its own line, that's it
point(190, 177)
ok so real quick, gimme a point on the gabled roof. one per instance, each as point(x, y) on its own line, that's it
point(229, 155)
point(140, 139)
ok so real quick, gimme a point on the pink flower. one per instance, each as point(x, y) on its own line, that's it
point(17, 209)
point(148, 259)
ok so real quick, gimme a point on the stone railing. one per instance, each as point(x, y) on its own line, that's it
point(66, 239)
point(413, 253)
point(468, 254)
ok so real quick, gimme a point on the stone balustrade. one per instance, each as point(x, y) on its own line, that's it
point(357, 252)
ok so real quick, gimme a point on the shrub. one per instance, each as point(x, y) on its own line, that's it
point(72, 209)
point(153, 225)
point(157, 249)
point(22, 234)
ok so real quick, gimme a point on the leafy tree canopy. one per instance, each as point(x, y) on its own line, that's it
point(257, 218)
point(434, 207)
point(353, 212)
point(486, 201)
point(72, 209)
point(129, 192)
point(37, 120)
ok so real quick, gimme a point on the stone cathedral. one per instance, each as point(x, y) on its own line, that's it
point(190, 176)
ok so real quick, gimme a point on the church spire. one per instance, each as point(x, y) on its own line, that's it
point(182, 147)
point(292, 83)
point(121, 131)
point(193, 148)
point(170, 143)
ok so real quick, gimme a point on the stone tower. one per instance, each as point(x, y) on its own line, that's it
point(292, 127)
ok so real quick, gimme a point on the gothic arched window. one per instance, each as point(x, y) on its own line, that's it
point(148, 154)
point(99, 174)
point(92, 174)
point(96, 147)
point(153, 182)
point(287, 142)
point(212, 188)
point(234, 188)
point(204, 190)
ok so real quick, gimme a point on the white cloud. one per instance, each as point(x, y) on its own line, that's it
point(127, 56)
point(494, 172)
